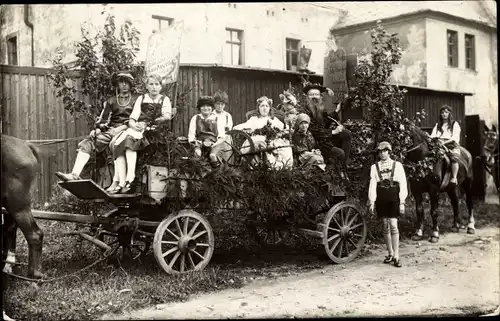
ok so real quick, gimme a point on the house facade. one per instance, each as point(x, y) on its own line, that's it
point(214, 33)
point(448, 46)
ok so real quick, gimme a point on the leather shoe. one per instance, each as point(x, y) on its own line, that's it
point(116, 190)
point(67, 177)
point(113, 186)
point(129, 188)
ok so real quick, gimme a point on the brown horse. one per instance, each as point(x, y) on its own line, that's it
point(20, 163)
point(489, 153)
point(438, 182)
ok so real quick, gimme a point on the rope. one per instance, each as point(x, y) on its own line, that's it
point(64, 276)
point(54, 141)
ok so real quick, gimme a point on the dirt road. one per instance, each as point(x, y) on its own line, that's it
point(459, 275)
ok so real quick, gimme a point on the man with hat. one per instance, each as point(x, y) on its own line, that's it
point(112, 120)
point(387, 194)
point(322, 125)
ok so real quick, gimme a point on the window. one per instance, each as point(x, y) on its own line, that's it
point(233, 48)
point(292, 54)
point(470, 52)
point(452, 37)
point(162, 21)
point(12, 50)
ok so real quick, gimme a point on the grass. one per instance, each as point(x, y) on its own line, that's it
point(111, 288)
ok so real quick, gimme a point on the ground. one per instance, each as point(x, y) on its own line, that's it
point(457, 276)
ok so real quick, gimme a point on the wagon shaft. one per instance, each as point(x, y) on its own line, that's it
point(80, 218)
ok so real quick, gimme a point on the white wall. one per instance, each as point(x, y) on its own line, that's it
point(58, 26)
point(481, 82)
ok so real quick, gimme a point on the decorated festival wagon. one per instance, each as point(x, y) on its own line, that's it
point(169, 211)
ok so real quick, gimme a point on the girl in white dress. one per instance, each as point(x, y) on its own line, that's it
point(448, 132)
point(278, 158)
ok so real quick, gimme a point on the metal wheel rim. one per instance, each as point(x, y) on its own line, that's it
point(344, 232)
point(173, 242)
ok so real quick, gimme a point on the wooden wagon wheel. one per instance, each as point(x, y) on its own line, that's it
point(267, 233)
point(183, 242)
point(237, 138)
point(344, 232)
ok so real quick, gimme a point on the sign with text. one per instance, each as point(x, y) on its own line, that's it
point(335, 73)
point(163, 53)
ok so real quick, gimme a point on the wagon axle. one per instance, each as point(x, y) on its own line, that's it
point(186, 244)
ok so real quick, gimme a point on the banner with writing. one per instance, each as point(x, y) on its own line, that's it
point(163, 53)
point(335, 75)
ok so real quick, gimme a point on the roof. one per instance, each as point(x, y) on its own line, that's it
point(483, 12)
point(310, 75)
point(248, 68)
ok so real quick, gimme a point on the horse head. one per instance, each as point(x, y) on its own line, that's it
point(420, 145)
point(490, 147)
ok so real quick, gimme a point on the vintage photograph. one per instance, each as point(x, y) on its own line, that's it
point(249, 160)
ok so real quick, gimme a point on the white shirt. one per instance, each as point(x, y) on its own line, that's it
point(256, 122)
point(224, 120)
point(446, 134)
point(399, 176)
point(166, 109)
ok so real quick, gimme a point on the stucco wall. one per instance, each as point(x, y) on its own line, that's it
point(12, 22)
point(482, 82)
point(412, 68)
point(58, 26)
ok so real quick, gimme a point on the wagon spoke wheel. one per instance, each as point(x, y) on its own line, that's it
point(344, 232)
point(232, 152)
point(183, 242)
point(267, 233)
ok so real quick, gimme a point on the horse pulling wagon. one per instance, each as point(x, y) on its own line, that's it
point(183, 240)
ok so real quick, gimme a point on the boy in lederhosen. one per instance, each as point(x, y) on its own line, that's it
point(387, 194)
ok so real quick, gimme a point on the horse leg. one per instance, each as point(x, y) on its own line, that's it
point(467, 185)
point(454, 200)
point(9, 232)
point(434, 197)
point(34, 237)
point(419, 233)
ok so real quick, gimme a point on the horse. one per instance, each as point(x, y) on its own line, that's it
point(20, 163)
point(489, 153)
point(438, 182)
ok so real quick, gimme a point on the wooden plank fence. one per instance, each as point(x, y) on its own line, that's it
point(30, 110)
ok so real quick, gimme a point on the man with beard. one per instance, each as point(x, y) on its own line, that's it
point(333, 139)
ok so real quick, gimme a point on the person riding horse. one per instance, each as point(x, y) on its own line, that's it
point(322, 126)
point(448, 132)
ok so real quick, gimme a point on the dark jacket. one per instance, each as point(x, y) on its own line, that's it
point(303, 142)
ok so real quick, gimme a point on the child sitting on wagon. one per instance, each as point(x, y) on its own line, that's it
point(304, 144)
point(203, 131)
point(149, 108)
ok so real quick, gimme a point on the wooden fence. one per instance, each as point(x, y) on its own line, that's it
point(30, 109)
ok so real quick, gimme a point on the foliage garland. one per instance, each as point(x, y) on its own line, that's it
point(278, 195)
